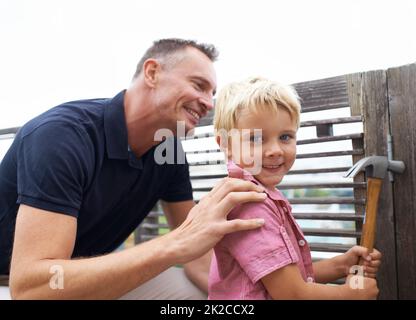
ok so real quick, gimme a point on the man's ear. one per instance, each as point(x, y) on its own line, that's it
point(151, 68)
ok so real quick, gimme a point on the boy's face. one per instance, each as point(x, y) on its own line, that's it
point(271, 150)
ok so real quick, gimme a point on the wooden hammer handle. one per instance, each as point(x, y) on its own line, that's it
point(369, 226)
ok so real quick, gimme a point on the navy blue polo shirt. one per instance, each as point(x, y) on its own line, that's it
point(75, 160)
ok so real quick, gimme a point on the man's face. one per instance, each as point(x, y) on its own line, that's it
point(185, 90)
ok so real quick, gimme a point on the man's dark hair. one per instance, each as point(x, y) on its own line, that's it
point(164, 47)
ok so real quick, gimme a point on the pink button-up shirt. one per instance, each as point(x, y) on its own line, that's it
point(242, 258)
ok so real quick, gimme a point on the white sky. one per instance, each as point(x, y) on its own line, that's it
point(55, 51)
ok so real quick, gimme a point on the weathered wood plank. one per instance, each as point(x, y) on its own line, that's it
point(330, 138)
point(402, 98)
point(321, 200)
point(329, 154)
point(324, 200)
point(323, 92)
point(329, 247)
point(291, 172)
point(9, 130)
point(291, 186)
point(315, 95)
point(321, 232)
point(368, 93)
point(298, 156)
point(342, 120)
point(319, 170)
point(303, 141)
point(335, 216)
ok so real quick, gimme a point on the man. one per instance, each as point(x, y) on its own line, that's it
point(79, 178)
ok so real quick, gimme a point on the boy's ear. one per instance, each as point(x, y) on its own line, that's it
point(223, 144)
point(218, 139)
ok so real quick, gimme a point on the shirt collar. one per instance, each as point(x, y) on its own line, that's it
point(235, 171)
point(115, 129)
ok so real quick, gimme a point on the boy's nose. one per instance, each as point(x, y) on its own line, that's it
point(273, 149)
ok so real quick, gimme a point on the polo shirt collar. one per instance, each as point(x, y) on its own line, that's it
point(235, 171)
point(115, 129)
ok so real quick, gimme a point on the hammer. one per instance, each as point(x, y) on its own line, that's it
point(375, 168)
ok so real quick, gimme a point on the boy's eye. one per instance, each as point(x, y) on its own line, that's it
point(286, 137)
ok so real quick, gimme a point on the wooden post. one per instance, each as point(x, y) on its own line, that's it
point(402, 104)
point(368, 93)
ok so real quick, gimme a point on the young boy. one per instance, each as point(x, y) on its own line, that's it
point(256, 123)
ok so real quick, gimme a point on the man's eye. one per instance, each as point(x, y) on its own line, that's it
point(199, 86)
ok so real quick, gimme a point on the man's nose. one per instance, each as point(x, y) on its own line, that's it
point(207, 103)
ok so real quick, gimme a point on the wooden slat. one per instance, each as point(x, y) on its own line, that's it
point(323, 247)
point(304, 186)
point(153, 226)
point(208, 176)
point(329, 247)
point(338, 105)
point(355, 96)
point(299, 142)
point(146, 237)
point(402, 104)
point(199, 136)
point(298, 156)
point(330, 138)
point(291, 172)
point(155, 214)
point(321, 232)
point(9, 130)
point(319, 170)
point(304, 141)
point(330, 92)
point(329, 154)
point(285, 186)
point(208, 151)
point(328, 216)
point(206, 163)
point(322, 200)
point(304, 215)
point(332, 121)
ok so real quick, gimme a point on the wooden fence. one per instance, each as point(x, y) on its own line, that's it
point(383, 104)
point(375, 113)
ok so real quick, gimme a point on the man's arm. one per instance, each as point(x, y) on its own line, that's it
point(287, 283)
point(44, 240)
point(42, 251)
point(197, 270)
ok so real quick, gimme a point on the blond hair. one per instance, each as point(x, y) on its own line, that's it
point(254, 94)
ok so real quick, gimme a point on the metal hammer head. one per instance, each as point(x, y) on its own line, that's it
point(375, 167)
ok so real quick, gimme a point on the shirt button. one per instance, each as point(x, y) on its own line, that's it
point(309, 279)
point(302, 243)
